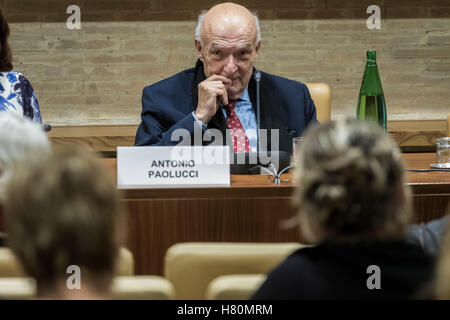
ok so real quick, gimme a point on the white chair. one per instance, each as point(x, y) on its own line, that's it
point(234, 287)
point(123, 288)
point(11, 267)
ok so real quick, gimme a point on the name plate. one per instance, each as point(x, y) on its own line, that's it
point(173, 167)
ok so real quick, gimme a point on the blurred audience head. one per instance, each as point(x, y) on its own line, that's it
point(442, 283)
point(5, 51)
point(350, 181)
point(21, 140)
point(65, 212)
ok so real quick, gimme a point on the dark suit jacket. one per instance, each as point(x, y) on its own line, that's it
point(168, 105)
point(428, 235)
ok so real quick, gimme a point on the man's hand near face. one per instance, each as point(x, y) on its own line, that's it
point(211, 92)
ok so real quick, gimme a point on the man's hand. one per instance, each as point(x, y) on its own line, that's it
point(211, 92)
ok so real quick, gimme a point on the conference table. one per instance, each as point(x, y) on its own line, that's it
point(252, 209)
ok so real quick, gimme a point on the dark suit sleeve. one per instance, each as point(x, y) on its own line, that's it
point(155, 129)
point(428, 235)
point(310, 107)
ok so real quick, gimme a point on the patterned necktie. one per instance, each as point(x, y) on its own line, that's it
point(238, 136)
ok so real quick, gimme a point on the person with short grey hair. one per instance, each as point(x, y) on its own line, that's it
point(21, 140)
point(354, 204)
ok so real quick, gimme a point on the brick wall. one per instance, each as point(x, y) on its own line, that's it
point(95, 75)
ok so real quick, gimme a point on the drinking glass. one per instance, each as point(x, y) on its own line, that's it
point(296, 142)
point(442, 153)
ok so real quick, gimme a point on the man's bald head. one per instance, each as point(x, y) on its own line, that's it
point(227, 16)
point(227, 41)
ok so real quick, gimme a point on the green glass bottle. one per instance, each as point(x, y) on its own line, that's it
point(371, 104)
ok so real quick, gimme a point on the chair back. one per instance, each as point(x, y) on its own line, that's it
point(321, 95)
point(234, 287)
point(11, 267)
point(9, 264)
point(123, 288)
point(190, 267)
point(142, 288)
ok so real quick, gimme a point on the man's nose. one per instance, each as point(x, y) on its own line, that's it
point(230, 65)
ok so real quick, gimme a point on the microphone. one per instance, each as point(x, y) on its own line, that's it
point(46, 127)
point(292, 132)
point(257, 77)
point(263, 158)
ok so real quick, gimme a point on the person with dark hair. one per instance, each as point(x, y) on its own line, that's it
point(16, 93)
point(355, 206)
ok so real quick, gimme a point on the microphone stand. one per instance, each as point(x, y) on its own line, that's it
point(247, 168)
point(257, 76)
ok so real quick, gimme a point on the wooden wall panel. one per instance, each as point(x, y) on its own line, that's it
point(155, 225)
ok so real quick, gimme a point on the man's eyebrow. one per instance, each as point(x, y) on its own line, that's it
point(248, 46)
point(215, 46)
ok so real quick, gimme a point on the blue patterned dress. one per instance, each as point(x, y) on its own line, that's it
point(17, 95)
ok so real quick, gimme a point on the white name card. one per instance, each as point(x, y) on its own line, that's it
point(173, 167)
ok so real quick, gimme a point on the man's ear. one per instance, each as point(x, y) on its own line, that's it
point(198, 47)
point(258, 46)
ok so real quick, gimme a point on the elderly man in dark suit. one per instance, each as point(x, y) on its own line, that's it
point(220, 91)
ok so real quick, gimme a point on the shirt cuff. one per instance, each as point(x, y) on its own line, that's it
point(199, 122)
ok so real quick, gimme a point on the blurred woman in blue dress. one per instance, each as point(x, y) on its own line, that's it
point(16, 93)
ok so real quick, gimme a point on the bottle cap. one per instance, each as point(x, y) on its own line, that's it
point(372, 55)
